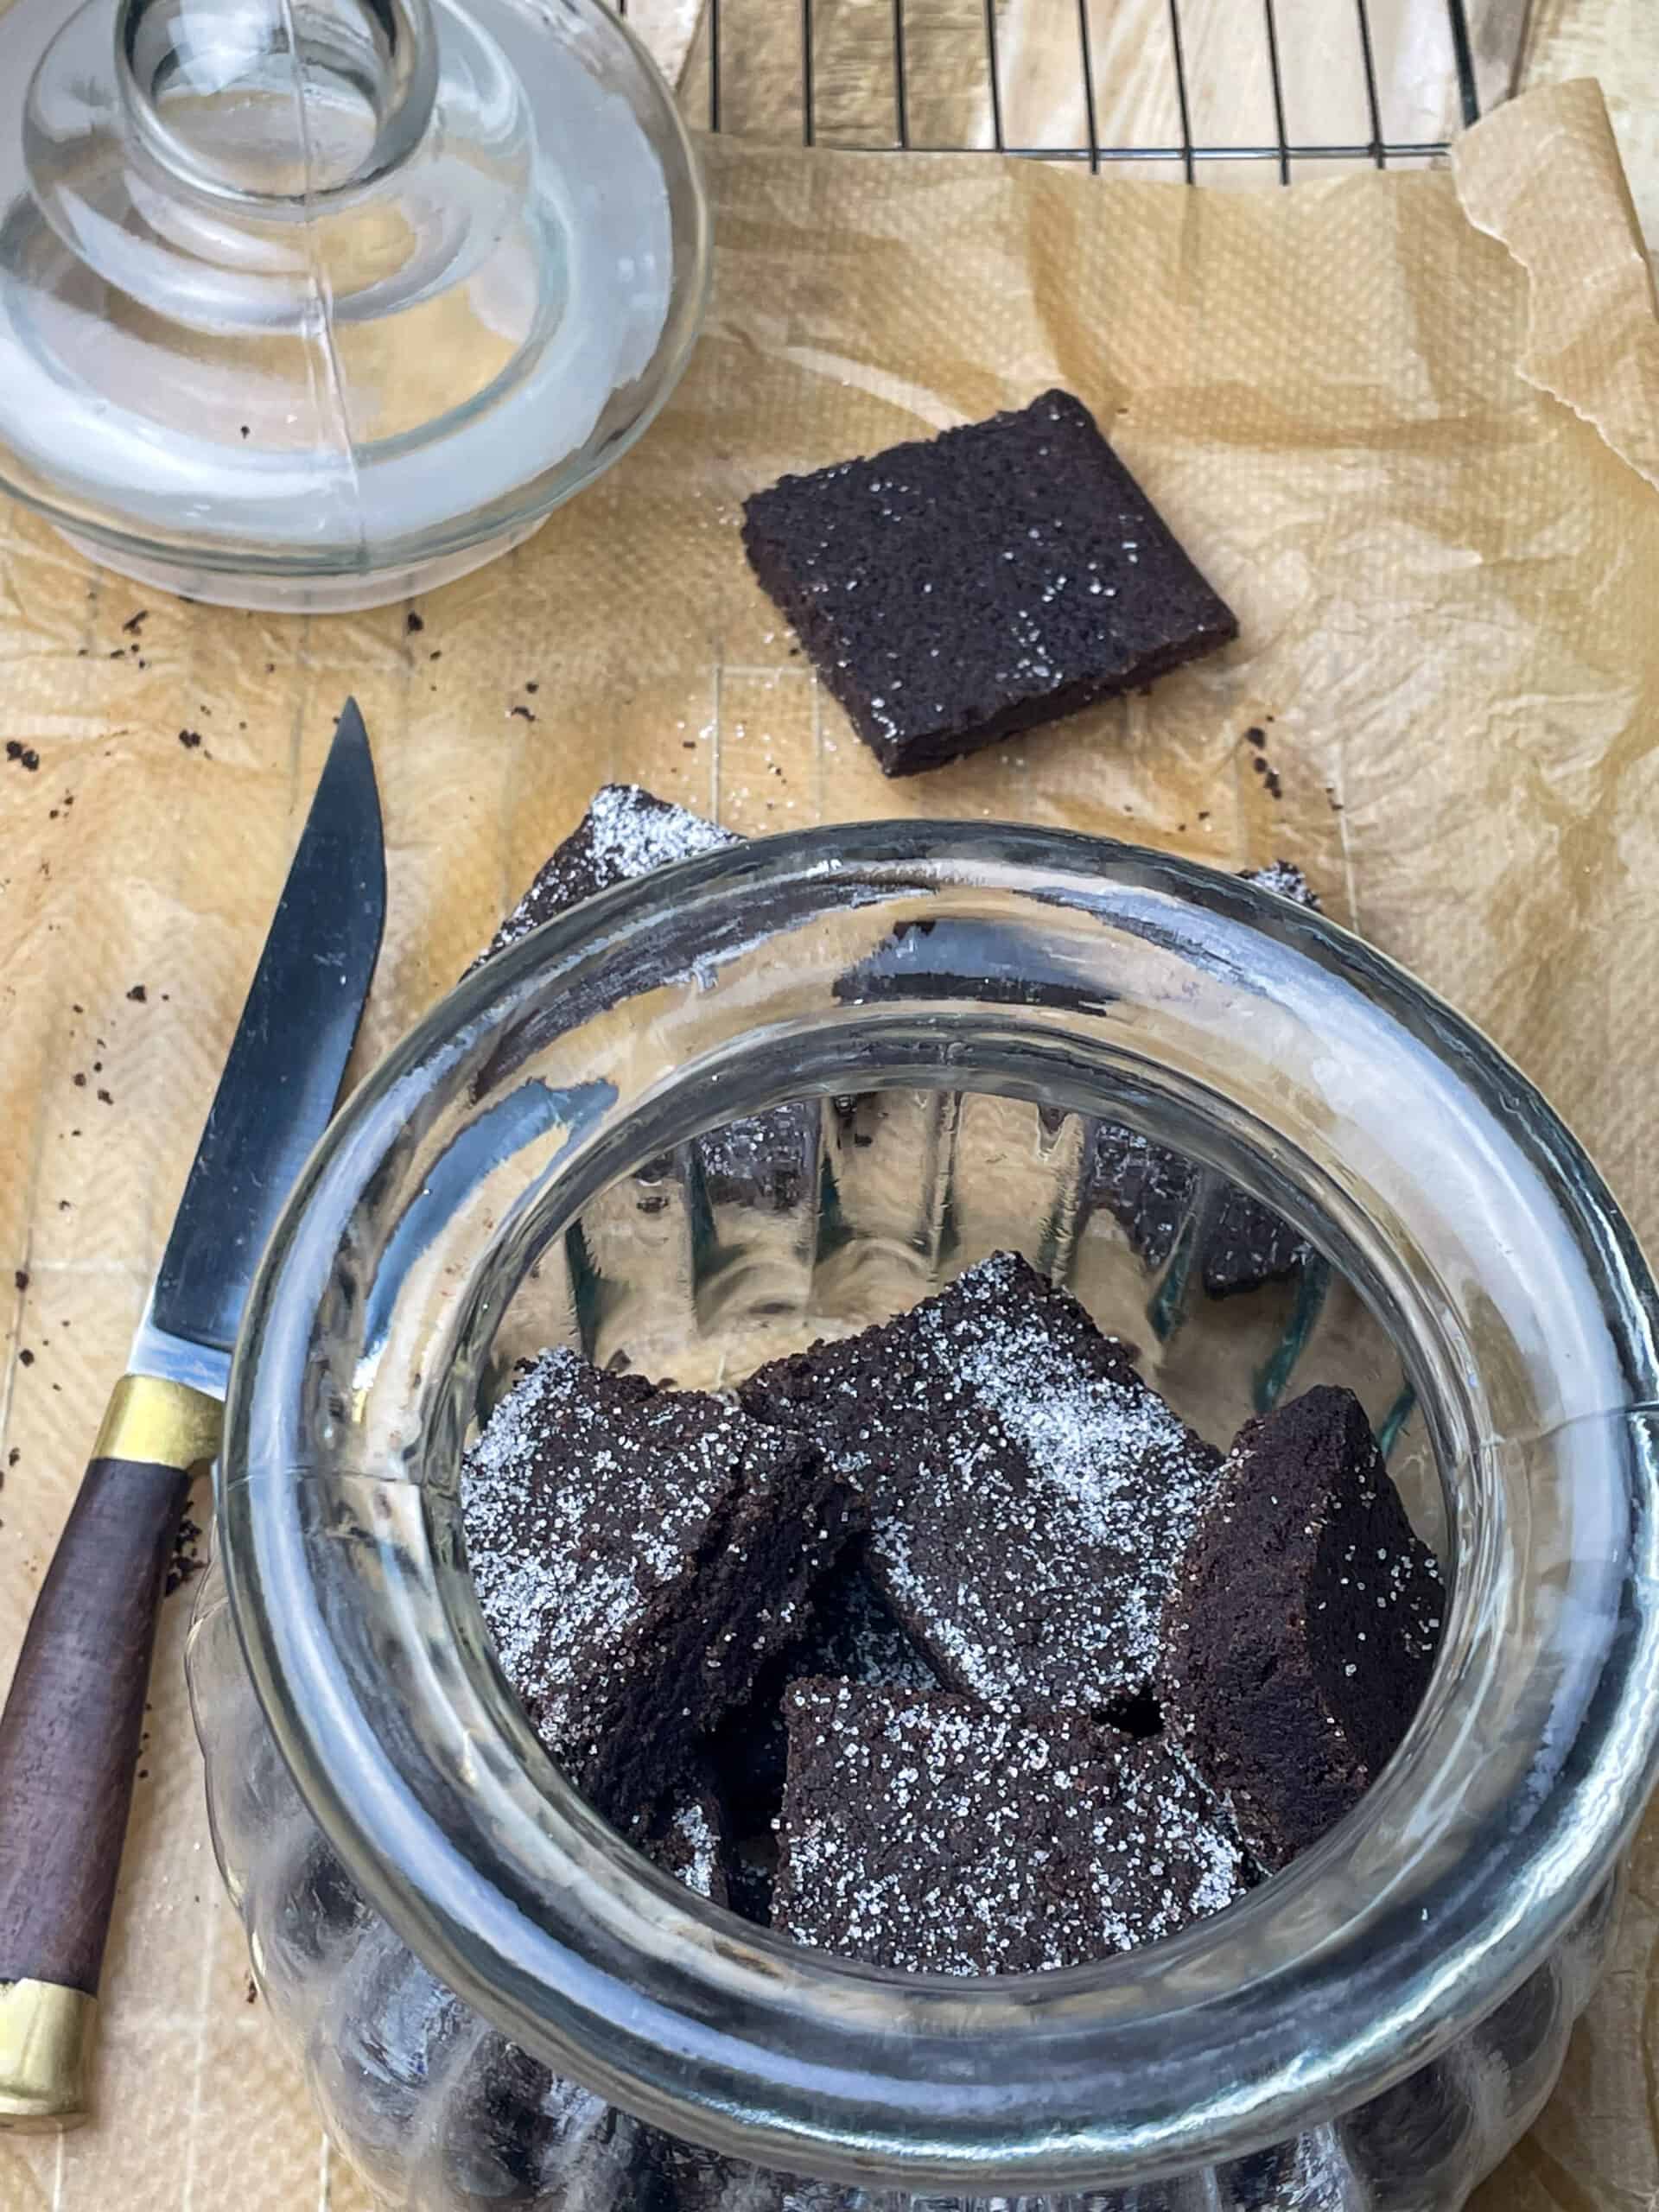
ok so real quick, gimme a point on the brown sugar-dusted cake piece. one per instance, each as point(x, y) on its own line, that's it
point(943, 1836)
point(1030, 1497)
point(768, 1160)
point(956, 589)
point(638, 1555)
point(1302, 1630)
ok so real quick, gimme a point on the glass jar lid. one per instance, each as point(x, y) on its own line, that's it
point(315, 302)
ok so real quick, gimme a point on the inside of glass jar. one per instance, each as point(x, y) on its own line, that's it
point(828, 1214)
point(1220, 1257)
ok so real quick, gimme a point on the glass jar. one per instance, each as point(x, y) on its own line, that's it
point(457, 1942)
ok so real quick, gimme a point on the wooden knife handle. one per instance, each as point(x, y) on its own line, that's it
point(69, 1740)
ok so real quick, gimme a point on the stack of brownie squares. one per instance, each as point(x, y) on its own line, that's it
point(969, 1549)
point(948, 1646)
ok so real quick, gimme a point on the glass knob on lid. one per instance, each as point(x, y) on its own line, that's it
point(267, 101)
point(312, 304)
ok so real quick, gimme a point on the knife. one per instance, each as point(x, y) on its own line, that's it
point(69, 1733)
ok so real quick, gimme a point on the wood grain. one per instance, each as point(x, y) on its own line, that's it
point(69, 1733)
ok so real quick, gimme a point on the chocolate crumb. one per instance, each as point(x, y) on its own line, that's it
point(14, 1455)
point(253, 1994)
point(190, 739)
point(25, 1357)
point(186, 1562)
point(80, 1079)
point(247, 430)
point(24, 755)
point(138, 995)
point(135, 623)
point(413, 624)
point(1274, 788)
point(104, 1097)
point(21, 1278)
point(527, 713)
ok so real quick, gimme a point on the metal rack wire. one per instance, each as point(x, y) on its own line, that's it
point(782, 69)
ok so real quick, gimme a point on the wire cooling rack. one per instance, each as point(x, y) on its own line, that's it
point(1221, 91)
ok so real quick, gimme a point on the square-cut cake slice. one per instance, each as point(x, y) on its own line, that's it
point(851, 1634)
point(1303, 1625)
point(767, 1160)
point(1030, 1497)
point(689, 1836)
point(638, 1555)
point(956, 589)
point(946, 1837)
point(626, 832)
point(1151, 1190)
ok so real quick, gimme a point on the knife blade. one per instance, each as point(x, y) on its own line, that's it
point(69, 1733)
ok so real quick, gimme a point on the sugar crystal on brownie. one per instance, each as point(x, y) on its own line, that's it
point(1302, 1628)
point(943, 1836)
point(1030, 1497)
point(956, 589)
point(638, 1555)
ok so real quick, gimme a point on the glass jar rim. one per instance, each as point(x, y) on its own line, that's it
point(1408, 1923)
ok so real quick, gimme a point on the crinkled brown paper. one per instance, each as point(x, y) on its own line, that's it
point(1408, 425)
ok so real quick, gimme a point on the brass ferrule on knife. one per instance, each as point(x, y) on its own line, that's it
point(158, 1423)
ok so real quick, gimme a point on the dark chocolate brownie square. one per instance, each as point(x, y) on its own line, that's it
point(690, 1838)
point(626, 832)
point(1148, 1189)
point(1303, 1627)
point(1151, 1190)
point(851, 1634)
point(956, 589)
point(1247, 1246)
point(768, 1161)
point(946, 1837)
point(1030, 1497)
point(638, 1555)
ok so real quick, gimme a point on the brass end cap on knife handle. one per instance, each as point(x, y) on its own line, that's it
point(159, 1424)
point(46, 2045)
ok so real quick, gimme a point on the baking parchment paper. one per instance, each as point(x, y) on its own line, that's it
point(1405, 422)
